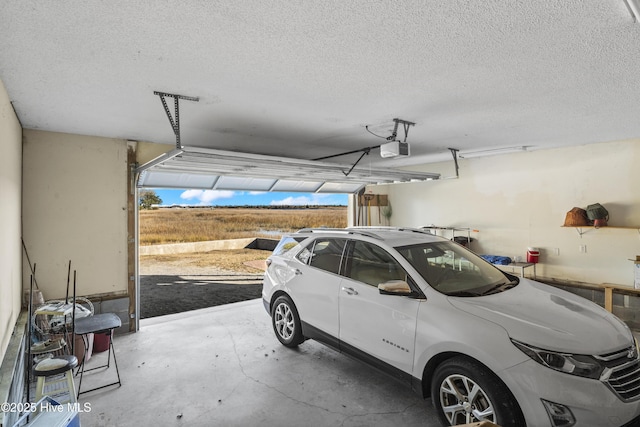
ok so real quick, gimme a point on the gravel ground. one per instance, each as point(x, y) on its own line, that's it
point(172, 287)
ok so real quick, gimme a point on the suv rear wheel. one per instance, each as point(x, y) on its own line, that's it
point(286, 322)
point(464, 392)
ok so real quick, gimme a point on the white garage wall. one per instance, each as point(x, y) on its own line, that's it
point(10, 246)
point(520, 200)
point(75, 208)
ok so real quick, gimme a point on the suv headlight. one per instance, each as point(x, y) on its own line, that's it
point(574, 364)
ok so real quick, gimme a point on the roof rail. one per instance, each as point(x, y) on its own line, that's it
point(415, 230)
point(363, 230)
point(384, 227)
point(349, 230)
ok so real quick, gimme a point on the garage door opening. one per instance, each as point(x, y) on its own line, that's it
point(207, 170)
point(195, 256)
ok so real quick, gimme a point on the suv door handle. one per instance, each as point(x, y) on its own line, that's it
point(350, 291)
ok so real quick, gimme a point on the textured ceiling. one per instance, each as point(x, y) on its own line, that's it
point(303, 78)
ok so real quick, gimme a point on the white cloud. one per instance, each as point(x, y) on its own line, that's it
point(191, 194)
point(256, 193)
point(311, 199)
point(205, 197)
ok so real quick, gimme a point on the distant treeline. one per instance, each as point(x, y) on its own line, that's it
point(251, 207)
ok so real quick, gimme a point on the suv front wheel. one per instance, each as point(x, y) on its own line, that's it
point(286, 322)
point(464, 392)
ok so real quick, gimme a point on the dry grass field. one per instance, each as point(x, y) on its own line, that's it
point(178, 225)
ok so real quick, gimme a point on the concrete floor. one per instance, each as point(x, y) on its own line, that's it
point(223, 366)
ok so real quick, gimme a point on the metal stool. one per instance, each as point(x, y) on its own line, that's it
point(55, 379)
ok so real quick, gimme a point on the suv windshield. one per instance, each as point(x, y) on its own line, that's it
point(453, 270)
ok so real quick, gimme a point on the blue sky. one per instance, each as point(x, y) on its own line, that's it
point(241, 198)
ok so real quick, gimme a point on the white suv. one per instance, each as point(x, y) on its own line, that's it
point(483, 344)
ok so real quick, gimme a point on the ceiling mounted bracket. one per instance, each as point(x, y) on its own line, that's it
point(175, 120)
point(454, 153)
point(406, 126)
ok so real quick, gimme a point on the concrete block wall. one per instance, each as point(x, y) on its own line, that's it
point(119, 306)
point(626, 307)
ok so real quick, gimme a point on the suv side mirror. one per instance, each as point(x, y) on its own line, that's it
point(395, 287)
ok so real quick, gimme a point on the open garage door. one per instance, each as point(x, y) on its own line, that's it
point(205, 168)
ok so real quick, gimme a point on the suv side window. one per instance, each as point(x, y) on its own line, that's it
point(325, 254)
point(373, 265)
point(286, 244)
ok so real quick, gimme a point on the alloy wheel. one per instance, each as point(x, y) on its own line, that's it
point(463, 401)
point(284, 321)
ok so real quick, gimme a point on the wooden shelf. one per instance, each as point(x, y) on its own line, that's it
point(606, 226)
point(579, 228)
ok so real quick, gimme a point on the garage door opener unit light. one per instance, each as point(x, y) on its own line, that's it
point(395, 147)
